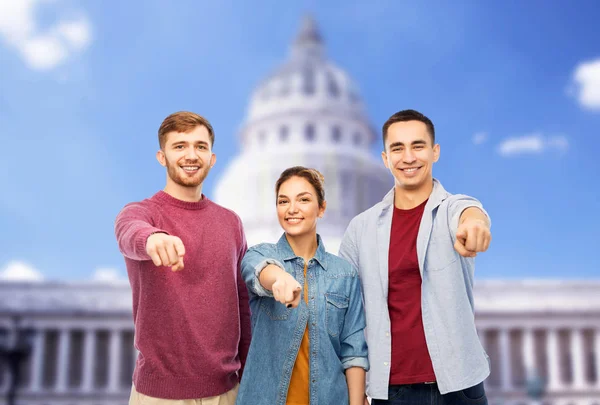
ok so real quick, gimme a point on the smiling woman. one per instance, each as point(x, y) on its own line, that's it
point(305, 302)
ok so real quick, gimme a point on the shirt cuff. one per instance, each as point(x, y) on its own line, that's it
point(361, 362)
point(142, 240)
point(454, 222)
point(258, 288)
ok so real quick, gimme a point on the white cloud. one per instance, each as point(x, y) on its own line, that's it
point(108, 275)
point(586, 80)
point(76, 32)
point(41, 50)
point(535, 143)
point(16, 271)
point(480, 137)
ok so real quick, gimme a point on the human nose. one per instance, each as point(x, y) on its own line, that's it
point(292, 207)
point(409, 156)
point(190, 154)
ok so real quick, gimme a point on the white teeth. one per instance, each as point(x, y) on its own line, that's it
point(294, 220)
point(410, 170)
point(190, 168)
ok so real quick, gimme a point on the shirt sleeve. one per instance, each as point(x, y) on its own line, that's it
point(353, 342)
point(348, 247)
point(252, 265)
point(245, 322)
point(133, 226)
point(456, 206)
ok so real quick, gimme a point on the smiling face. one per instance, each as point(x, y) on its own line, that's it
point(409, 154)
point(298, 207)
point(187, 157)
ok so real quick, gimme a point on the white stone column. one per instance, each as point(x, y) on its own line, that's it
point(37, 361)
point(89, 360)
point(505, 360)
point(577, 359)
point(114, 360)
point(481, 334)
point(62, 365)
point(529, 354)
point(553, 352)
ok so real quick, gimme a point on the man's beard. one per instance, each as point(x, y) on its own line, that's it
point(175, 173)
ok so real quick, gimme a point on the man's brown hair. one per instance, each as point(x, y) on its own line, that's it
point(183, 121)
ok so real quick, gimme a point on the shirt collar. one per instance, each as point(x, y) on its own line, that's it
point(286, 252)
point(438, 194)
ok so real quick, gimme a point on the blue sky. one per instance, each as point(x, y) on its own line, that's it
point(513, 88)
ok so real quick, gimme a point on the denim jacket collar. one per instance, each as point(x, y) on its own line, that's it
point(288, 254)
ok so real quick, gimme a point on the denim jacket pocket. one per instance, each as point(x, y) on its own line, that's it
point(276, 310)
point(337, 305)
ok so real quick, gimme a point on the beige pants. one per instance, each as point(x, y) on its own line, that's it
point(227, 398)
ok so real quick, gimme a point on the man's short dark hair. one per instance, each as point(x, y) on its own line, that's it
point(408, 115)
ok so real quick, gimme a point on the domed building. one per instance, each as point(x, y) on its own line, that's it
point(72, 343)
point(308, 113)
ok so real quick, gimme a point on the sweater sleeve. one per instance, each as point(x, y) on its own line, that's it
point(133, 226)
point(245, 322)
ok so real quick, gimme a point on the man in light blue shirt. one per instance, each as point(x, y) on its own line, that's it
point(415, 255)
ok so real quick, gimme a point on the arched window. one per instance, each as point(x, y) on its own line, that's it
point(284, 133)
point(309, 132)
point(332, 86)
point(336, 134)
point(308, 81)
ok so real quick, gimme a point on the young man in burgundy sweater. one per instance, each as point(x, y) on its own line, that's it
point(183, 254)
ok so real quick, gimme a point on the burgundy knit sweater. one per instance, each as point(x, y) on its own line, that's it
point(192, 327)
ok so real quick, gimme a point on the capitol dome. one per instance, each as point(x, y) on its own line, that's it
point(307, 112)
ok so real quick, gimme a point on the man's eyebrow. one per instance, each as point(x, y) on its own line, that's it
point(417, 142)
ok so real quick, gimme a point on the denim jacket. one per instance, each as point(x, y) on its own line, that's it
point(458, 358)
point(334, 315)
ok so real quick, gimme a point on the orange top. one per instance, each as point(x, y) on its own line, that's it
point(298, 390)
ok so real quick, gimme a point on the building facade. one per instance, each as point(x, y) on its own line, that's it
point(78, 338)
point(81, 336)
point(308, 112)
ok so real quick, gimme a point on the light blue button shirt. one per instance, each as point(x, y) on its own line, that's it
point(458, 358)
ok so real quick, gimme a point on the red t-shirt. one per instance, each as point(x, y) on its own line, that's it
point(410, 358)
